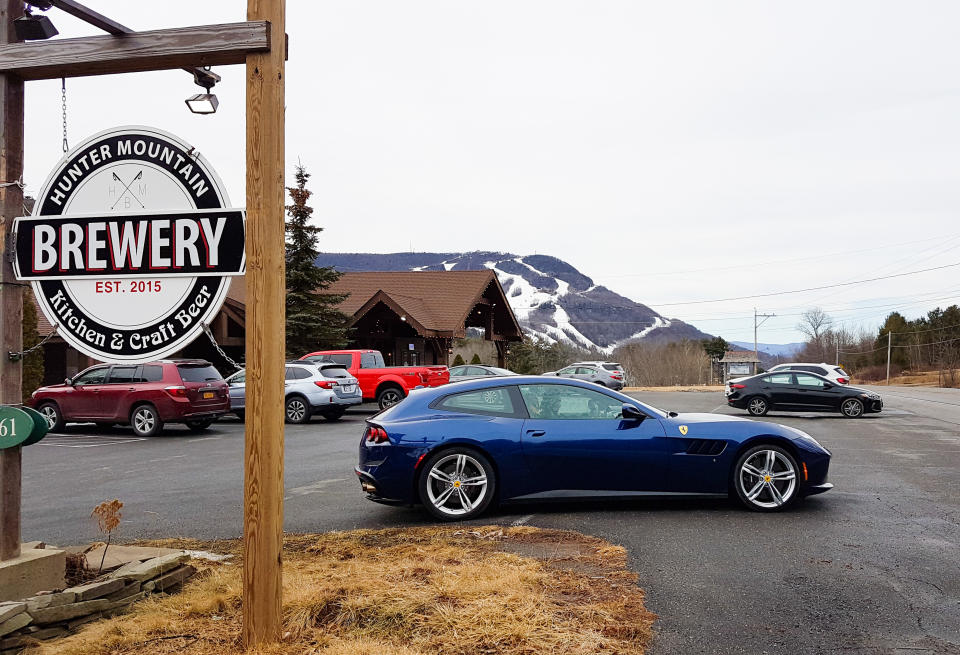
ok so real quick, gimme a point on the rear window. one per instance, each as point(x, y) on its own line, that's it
point(343, 359)
point(613, 367)
point(371, 360)
point(206, 373)
point(841, 372)
point(335, 372)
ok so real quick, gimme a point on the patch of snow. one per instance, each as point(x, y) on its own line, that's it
point(418, 268)
point(562, 287)
point(448, 265)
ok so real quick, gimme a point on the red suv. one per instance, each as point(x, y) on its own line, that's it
point(145, 396)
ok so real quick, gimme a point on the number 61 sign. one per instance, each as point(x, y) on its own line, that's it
point(21, 427)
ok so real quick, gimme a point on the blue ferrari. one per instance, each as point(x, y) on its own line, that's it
point(457, 448)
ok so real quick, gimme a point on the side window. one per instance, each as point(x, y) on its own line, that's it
point(473, 370)
point(290, 374)
point(151, 373)
point(585, 371)
point(239, 378)
point(123, 375)
point(368, 360)
point(570, 370)
point(302, 373)
point(495, 402)
point(818, 370)
point(560, 402)
point(458, 371)
point(96, 376)
point(779, 378)
point(809, 381)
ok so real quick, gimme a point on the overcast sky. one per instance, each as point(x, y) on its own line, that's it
point(672, 151)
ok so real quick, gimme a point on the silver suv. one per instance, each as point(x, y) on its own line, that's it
point(608, 374)
point(326, 389)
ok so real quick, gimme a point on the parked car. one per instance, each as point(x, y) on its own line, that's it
point(794, 391)
point(829, 371)
point(309, 388)
point(549, 438)
point(145, 396)
point(608, 374)
point(387, 385)
point(474, 371)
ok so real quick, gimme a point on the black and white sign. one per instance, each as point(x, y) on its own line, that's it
point(131, 245)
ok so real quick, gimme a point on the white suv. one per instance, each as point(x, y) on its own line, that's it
point(829, 371)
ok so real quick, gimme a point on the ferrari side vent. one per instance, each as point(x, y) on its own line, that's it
point(706, 447)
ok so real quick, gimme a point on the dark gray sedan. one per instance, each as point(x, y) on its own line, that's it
point(476, 371)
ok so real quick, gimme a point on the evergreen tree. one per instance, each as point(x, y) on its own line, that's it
point(32, 363)
point(458, 360)
point(476, 359)
point(313, 320)
point(716, 347)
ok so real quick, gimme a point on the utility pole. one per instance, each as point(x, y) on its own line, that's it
point(889, 346)
point(838, 352)
point(756, 353)
point(11, 291)
point(266, 310)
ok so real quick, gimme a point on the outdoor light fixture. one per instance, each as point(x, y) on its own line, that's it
point(34, 28)
point(204, 103)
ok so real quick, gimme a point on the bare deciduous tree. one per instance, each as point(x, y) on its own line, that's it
point(815, 323)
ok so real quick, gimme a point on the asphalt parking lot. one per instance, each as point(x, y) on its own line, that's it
point(871, 567)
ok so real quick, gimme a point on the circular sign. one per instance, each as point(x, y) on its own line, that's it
point(40, 426)
point(16, 426)
point(127, 245)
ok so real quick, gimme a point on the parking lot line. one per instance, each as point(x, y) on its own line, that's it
point(86, 441)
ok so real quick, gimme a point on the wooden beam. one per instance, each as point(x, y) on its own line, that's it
point(11, 292)
point(206, 45)
point(265, 325)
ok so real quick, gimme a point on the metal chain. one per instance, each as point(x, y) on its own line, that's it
point(63, 103)
point(16, 357)
point(206, 329)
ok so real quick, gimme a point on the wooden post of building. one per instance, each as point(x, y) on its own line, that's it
point(11, 292)
point(265, 357)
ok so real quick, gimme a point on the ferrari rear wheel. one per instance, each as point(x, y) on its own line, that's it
point(758, 406)
point(457, 484)
point(765, 478)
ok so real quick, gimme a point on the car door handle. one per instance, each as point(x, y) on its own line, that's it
point(536, 433)
point(131, 389)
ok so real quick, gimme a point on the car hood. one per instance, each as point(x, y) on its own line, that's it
point(721, 426)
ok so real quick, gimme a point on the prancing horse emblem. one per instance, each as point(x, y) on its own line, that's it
point(683, 429)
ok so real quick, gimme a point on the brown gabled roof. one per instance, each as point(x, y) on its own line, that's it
point(739, 357)
point(437, 300)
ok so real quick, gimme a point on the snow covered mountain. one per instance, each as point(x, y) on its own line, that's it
point(551, 299)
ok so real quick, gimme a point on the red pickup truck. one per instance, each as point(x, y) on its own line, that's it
point(388, 385)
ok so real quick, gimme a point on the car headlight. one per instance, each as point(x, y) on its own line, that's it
point(871, 395)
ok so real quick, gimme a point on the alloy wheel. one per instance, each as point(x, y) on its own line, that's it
point(144, 420)
point(852, 408)
point(50, 414)
point(456, 484)
point(389, 398)
point(758, 406)
point(767, 479)
point(296, 410)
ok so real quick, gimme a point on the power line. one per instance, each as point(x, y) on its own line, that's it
point(825, 286)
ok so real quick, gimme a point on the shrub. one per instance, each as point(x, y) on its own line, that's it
point(458, 360)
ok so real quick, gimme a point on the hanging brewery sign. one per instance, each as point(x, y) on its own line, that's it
point(131, 246)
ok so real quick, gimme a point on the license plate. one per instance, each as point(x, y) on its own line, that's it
point(207, 395)
point(348, 388)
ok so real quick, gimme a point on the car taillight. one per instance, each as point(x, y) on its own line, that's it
point(738, 386)
point(616, 376)
point(176, 392)
point(842, 380)
point(324, 384)
point(377, 435)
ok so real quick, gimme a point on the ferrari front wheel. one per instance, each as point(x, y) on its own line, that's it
point(765, 478)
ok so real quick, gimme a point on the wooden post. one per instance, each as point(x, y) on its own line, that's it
point(11, 292)
point(266, 302)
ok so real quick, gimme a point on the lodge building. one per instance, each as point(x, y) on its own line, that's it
point(412, 317)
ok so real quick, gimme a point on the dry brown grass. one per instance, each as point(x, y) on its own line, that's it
point(443, 590)
point(917, 379)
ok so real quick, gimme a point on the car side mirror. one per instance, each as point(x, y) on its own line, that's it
point(631, 413)
point(68, 382)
